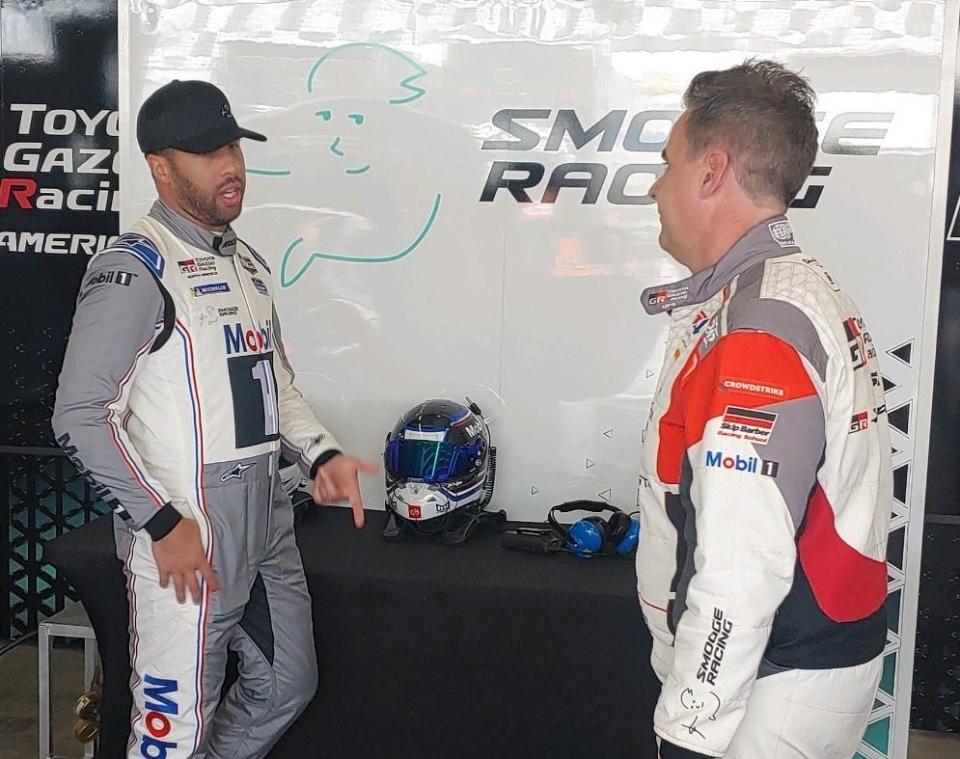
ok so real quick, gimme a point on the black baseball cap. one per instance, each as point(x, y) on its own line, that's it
point(193, 116)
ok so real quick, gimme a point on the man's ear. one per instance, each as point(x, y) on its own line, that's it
point(716, 168)
point(159, 168)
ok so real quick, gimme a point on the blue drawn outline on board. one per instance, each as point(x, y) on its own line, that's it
point(415, 93)
point(286, 281)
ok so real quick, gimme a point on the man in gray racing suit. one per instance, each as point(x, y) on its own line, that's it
point(176, 399)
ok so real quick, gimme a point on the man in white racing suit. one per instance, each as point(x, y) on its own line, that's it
point(175, 400)
point(766, 462)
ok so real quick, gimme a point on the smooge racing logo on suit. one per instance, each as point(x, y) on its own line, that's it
point(342, 131)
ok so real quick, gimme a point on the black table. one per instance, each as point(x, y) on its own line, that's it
point(427, 650)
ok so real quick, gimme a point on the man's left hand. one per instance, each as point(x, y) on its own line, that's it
point(338, 480)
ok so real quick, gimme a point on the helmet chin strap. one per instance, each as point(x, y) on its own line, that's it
point(467, 521)
point(453, 529)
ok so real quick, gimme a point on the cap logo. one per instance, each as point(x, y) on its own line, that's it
point(225, 111)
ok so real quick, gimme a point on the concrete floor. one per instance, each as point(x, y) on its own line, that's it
point(933, 745)
point(18, 702)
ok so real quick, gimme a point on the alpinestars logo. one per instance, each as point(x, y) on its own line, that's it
point(237, 472)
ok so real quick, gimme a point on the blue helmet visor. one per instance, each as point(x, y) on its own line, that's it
point(432, 460)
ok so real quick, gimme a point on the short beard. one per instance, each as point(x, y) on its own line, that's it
point(203, 209)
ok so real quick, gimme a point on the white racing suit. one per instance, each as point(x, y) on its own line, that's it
point(175, 399)
point(764, 506)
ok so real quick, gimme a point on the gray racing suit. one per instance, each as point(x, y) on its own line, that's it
point(175, 400)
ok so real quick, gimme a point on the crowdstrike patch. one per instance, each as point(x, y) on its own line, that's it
point(748, 386)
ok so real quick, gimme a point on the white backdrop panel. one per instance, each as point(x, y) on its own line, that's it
point(398, 283)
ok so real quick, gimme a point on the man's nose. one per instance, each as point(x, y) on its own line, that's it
point(233, 163)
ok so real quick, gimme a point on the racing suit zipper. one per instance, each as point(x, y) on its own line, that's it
point(270, 460)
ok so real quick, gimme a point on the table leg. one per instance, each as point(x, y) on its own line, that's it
point(89, 669)
point(43, 690)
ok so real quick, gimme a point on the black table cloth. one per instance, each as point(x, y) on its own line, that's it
point(427, 650)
